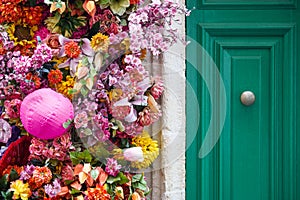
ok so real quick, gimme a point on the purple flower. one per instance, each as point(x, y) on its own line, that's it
point(27, 173)
point(54, 189)
point(112, 167)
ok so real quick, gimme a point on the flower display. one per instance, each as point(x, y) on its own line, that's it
point(94, 53)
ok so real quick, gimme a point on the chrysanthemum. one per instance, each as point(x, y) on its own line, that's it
point(20, 190)
point(22, 34)
point(100, 42)
point(149, 147)
point(65, 86)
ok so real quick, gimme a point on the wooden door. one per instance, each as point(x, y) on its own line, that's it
point(255, 45)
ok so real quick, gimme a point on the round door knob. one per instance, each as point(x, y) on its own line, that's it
point(247, 98)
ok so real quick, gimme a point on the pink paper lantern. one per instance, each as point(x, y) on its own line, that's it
point(44, 112)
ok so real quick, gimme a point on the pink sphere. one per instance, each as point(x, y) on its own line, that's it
point(44, 112)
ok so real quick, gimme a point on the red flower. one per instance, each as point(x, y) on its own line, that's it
point(98, 193)
point(72, 49)
point(55, 76)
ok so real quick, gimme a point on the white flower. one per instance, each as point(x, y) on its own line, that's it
point(134, 154)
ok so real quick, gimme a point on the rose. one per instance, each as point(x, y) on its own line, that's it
point(134, 154)
point(53, 42)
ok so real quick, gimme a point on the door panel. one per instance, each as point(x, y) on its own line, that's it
point(257, 156)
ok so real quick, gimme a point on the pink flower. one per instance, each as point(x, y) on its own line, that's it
point(36, 148)
point(13, 108)
point(67, 173)
point(81, 120)
point(112, 167)
point(134, 154)
point(157, 89)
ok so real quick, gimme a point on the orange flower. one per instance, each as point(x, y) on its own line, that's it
point(83, 172)
point(35, 79)
point(98, 193)
point(10, 167)
point(55, 76)
point(32, 15)
point(40, 176)
point(72, 49)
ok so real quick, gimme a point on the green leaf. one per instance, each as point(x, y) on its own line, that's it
point(4, 182)
point(72, 91)
point(67, 124)
point(103, 2)
point(78, 157)
point(140, 186)
point(74, 191)
point(87, 131)
point(85, 61)
point(111, 179)
point(94, 173)
point(123, 22)
point(68, 182)
point(84, 91)
point(123, 180)
point(13, 175)
point(137, 178)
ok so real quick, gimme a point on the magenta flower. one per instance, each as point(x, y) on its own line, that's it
point(112, 167)
point(27, 173)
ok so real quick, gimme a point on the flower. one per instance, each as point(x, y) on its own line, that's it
point(5, 131)
point(149, 147)
point(35, 79)
point(52, 41)
point(22, 34)
point(20, 190)
point(40, 176)
point(133, 154)
point(112, 167)
point(135, 196)
point(55, 76)
point(100, 42)
point(53, 189)
point(81, 120)
point(72, 49)
point(83, 172)
point(157, 88)
point(12, 108)
point(98, 193)
point(65, 86)
point(27, 173)
point(119, 6)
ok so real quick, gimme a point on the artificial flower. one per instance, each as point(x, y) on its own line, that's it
point(22, 34)
point(35, 79)
point(112, 167)
point(100, 42)
point(81, 120)
point(83, 172)
point(12, 108)
point(5, 131)
point(59, 6)
point(90, 7)
point(149, 147)
point(53, 189)
point(40, 176)
point(20, 189)
point(55, 76)
point(98, 193)
point(119, 6)
point(64, 87)
point(72, 49)
point(135, 196)
point(133, 154)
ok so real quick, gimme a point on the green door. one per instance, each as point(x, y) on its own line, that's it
point(240, 152)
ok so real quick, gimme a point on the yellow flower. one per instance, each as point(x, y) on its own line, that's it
point(65, 86)
point(149, 147)
point(20, 190)
point(22, 34)
point(100, 42)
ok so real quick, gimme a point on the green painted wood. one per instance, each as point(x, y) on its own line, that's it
point(258, 154)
